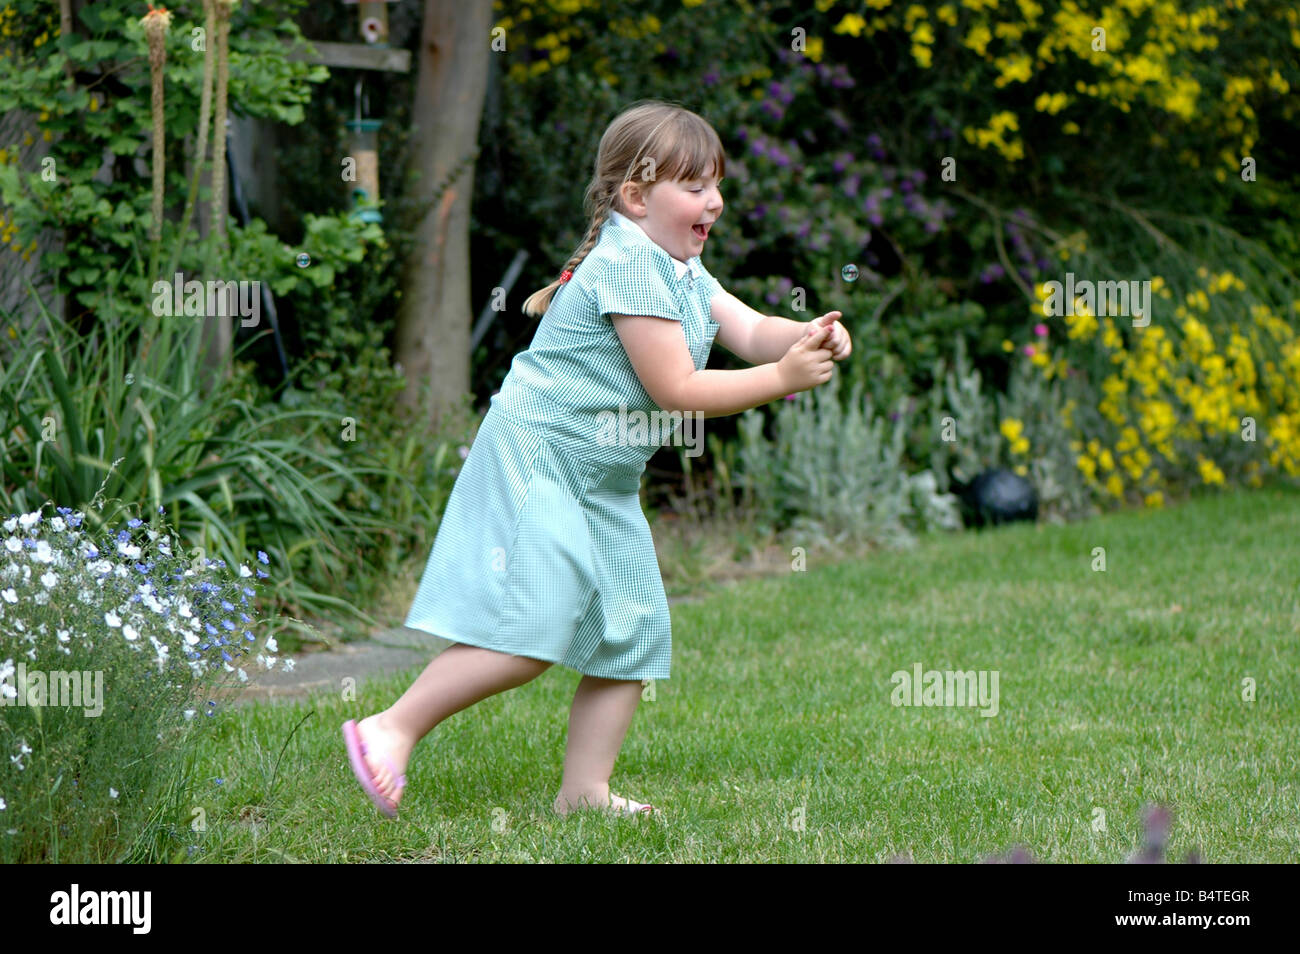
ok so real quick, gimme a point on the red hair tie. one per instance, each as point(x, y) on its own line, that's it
point(566, 275)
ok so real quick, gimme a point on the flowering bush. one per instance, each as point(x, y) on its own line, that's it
point(110, 645)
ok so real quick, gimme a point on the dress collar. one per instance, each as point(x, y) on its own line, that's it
point(619, 220)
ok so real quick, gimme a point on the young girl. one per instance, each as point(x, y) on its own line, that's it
point(543, 555)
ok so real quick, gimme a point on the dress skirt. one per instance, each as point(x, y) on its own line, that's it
point(543, 555)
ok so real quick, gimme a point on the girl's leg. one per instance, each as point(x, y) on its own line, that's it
point(598, 721)
point(457, 678)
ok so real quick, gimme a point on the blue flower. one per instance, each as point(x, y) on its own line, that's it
point(134, 522)
point(261, 557)
point(248, 592)
point(262, 574)
point(228, 624)
point(210, 628)
point(227, 605)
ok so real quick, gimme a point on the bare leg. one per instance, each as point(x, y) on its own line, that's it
point(598, 721)
point(457, 678)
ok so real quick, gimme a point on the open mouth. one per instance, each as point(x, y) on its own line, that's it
point(701, 231)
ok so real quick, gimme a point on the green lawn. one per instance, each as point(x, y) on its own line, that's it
point(1116, 689)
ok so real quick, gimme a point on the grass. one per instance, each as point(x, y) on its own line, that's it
point(1117, 689)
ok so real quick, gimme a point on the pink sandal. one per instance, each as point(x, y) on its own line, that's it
point(356, 750)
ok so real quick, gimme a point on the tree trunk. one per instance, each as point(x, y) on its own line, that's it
point(434, 316)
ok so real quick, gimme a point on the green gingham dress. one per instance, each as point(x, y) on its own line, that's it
point(543, 550)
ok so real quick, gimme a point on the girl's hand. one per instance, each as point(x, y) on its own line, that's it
point(838, 339)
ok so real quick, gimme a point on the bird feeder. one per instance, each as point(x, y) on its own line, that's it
point(363, 147)
point(372, 20)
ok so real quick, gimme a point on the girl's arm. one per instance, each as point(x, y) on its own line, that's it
point(657, 349)
point(749, 335)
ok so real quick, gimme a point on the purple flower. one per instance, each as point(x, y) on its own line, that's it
point(851, 185)
point(742, 134)
point(875, 218)
point(804, 230)
point(932, 226)
point(837, 118)
point(906, 185)
point(711, 79)
point(780, 158)
point(842, 160)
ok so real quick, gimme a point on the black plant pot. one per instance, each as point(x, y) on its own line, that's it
point(995, 497)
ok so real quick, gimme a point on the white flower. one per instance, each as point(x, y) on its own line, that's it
point(129, 631)
point(23, 749)
point(244, 571)
point(29, 520)
point(48, 579)
point(11, 524)
point(243, 676)
point(191, 639)
point(65, 635)
point(13, 544)
point(288, 665)
point(2, 804)
point(184, 609)
point(9, 595)
point(58, 524)
point(271, 645)
point(128, 550)
point(112, 619)
point(189, 714)
point(112, 792)
point(43, 552)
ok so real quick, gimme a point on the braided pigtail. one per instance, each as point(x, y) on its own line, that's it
point(599, 202)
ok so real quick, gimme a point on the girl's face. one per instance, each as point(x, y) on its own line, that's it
point(670, 212)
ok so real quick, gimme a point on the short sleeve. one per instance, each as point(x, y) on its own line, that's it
point(631, 285)
point(709, 286)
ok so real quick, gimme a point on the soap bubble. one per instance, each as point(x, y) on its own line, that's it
point(849, 273)
point(303, 259)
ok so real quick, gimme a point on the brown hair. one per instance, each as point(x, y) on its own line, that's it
point(665, 142)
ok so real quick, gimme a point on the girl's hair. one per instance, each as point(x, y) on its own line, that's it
point(651, 142)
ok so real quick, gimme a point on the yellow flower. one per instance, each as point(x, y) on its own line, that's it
point(1155, 499)
point(1087, 466)
point(1007, 346)
point(921, 54)
point(852, 24)
point(1105, 460)
point(978, 38)
point(947, 14)
point(1021, 469)
point(1011, 428)
point(1210, 473)
point(815, 48)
